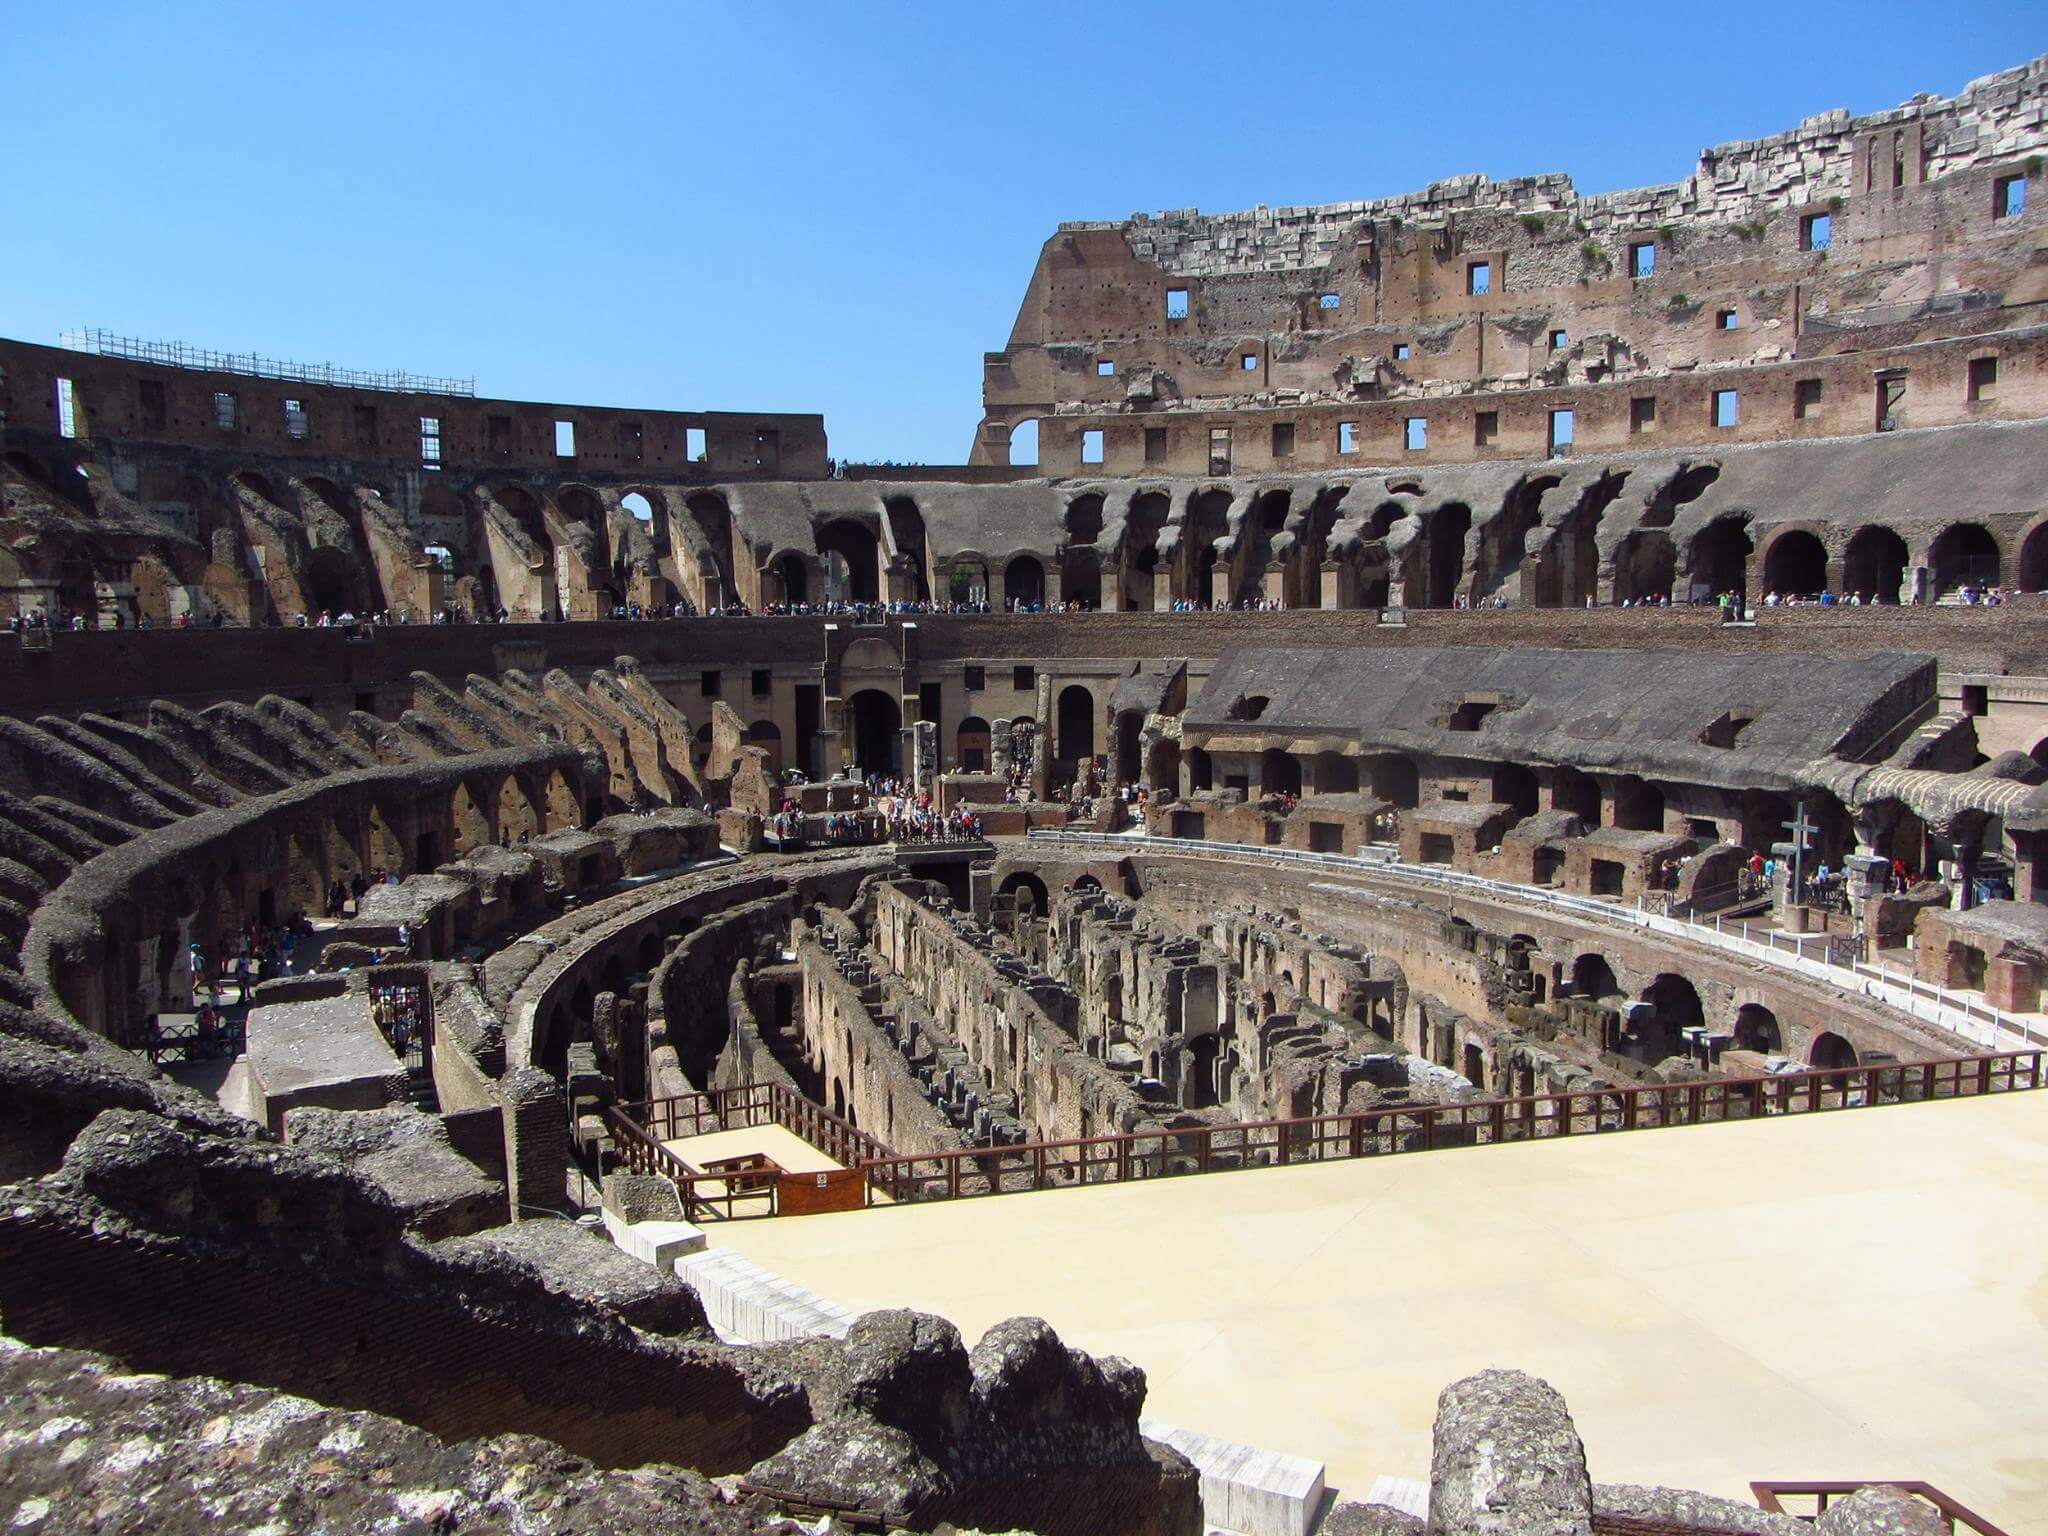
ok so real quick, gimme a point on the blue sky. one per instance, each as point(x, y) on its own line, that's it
point(806, 207)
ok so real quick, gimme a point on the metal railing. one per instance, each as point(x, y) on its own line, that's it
point(1810, 1500)
point(175, 354)
point(184, 1044)
point(1815, 955)
point(641, 1130)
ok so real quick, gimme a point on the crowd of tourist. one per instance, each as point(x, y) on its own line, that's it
point(400, 1012)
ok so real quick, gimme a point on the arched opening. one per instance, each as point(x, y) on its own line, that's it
point(1395, 780)
point(518, 822)
point(1756, 1029)
point(1279, 772)
point(1515, 785)
point(1081, 578)
point(330, 581)
point(1024, 583)
point(1874, 564)
point(906, 528)
point(1720, 559)
point(470, 826)
point(1674, 1007)
point(1336, 774)
point(877, 733)
point(1162, 768)
point(767, 735)
point(1076, 724)
point(524, 509)
point(562, 808)
point(1128, 726)
point(2033, 571)
point(1796, 565)
point(1083, 519)
point(1644, 566)
point(1447, 529)
point(967, 582)
point(1638, 805)
point(971, 746)
point(851, 555)
point(1142, 524)
point(1201, 775)
point(256, 484)
point(1965, 554)
point(1028, 891)
point(1475, 1064)
point(795, 578)
point(1577, 792)
point(1830, 1051)
point(1593, 977)
point(1024, 442)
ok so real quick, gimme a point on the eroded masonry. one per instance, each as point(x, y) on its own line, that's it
point(461, 860)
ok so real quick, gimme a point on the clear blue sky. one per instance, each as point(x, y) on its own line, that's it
point(798, 207)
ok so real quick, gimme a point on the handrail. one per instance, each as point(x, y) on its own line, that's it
point(1770, 1496)
point(1121, 1157)
point(1972, 1019)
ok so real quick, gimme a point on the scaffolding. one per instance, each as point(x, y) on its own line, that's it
point(175, 354)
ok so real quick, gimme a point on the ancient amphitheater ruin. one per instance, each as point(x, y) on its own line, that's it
point(543, 947)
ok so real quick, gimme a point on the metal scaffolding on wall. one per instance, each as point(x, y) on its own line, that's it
point(175, 354)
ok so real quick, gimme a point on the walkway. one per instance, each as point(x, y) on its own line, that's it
point(1813, 1296)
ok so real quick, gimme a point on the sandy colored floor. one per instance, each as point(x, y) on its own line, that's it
point(1861, 1294)
point(792, 1152)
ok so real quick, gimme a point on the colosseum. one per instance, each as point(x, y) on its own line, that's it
point(1086, 996)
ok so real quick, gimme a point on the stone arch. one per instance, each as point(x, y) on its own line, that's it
point(1024, 582)
point(469, 823)
point(971, 745)
point(333, 580)
point(1336, 774)
point(1874, 564)
point(1395, 779)
point(2031, 575)
point(851, 555)
point(877, 725)
point(1201, 772)
point(967, 583)
point(1638, 805)
point(1279, 772)
point(1075, 723)
point(562, 807)
point(517, 814)
point(1796, 563)
point(1081, 578)
point(1083, 518)
point(1023, 442)
point(1574, 790)
point(1756, 1029)
point(525, 509)
point(1128, 726)
point(1593, 977)
point(1963, 553)
point(1674, 1008)
point(767, 735)
point(1023, 885)
point(1162, 767)
point(1828, 1051)
point(792, 573)
point(1717, 560)
point(906, 529)
point(1515, 785)
point(1645, 565)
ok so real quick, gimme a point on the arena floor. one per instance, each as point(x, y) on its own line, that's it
point(1862, 1294)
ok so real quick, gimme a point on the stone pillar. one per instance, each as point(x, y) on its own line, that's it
point(999, 748)
point(1332, 584)
point(536, 1143)
point(1507, 1461)
point(924, 756)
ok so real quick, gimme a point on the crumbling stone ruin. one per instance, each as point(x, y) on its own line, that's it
point(460, 857)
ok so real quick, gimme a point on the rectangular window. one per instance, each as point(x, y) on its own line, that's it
point(151, 405)
point(1976, 698)
point(1347, 437)
point(976, 679)
point(1806, 399)
point(1816, 232)
point(1219, 450)
point(1176, 303)
point(565, 439)
point(296, 425)
point(1024, 679)
point(1106, 368)
point(1485, 428)
point(1155, 445)
point(1891, 400)
point(1400, 351)
point(1642, 258)
point(632, 442)
point(1283, 439)
point(366, 426)
point(1415, 433)
point(1557, 341)
point(2008, 197)
point(1091, 447)
point(67, 409)
point(1642, 413)
point(1724, 320)
point(1330, 301)
point(1479, 277)
point(762, 682)
point(709, 684)
point(1563, 428)
point(693, 445)
point(224, 411)
point(1249, 362)
point(1727, 409)
point(1983, 378)
point(430, 442)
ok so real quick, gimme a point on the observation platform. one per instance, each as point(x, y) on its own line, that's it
point(1799, 1296)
